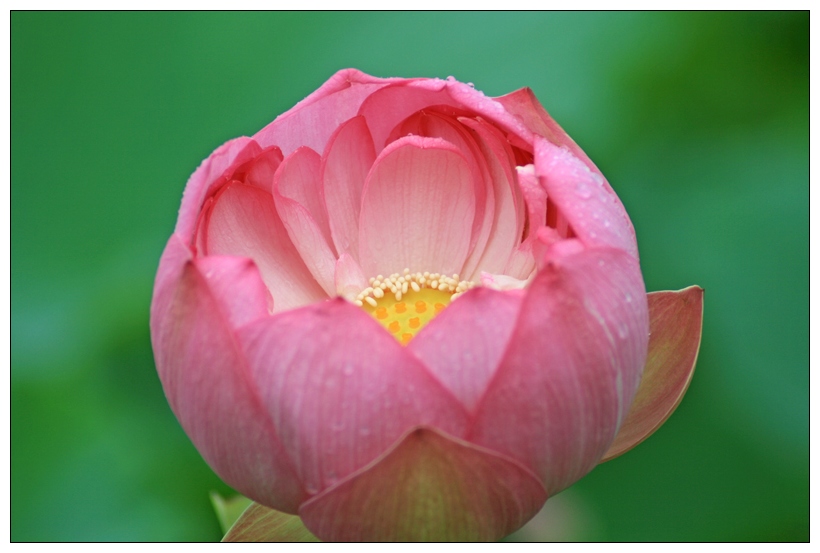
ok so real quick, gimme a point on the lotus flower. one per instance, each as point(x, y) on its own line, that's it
point(404, 311)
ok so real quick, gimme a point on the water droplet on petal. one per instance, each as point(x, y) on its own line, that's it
point(583, 190)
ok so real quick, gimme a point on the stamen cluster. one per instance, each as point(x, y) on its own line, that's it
point(399, 285)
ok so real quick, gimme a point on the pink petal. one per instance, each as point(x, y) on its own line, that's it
point(393, 104)
point(299, 179)
point(583, 196)
point(312, 121)
point(418, 207)
point(209, 176)
point(429, 487)
point(261, 170)
point(237, 280)
point(535, 198)
point(521, 263)
point(297, 194)
point(345, 164)
point(206, 377)
point(489, 108)
point(675, 324)
point(262, 524)
point(508, 216)
point(244, 223)
point(434, 123)
point(340, 389)
point(525, 106)
point(463, 345)
point(571, 367)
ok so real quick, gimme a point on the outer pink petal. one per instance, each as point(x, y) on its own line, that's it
point(489, 108)
point(345, 164)
point(525, 106)
point(429, 487)
point(206, 377)
point(244, 223)
point(675, 324)
point(212, 173)
point(418, 207)
point(237, 280)
point(463, 345)
point(311, 122)
point(340, 389)
point(297, 193)
point(571, 368)
point(583, 196)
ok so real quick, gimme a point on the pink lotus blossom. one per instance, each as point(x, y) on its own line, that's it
point(404, 310)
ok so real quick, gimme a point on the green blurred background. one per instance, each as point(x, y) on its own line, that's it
point(699, 121)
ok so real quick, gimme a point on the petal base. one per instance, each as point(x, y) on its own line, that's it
point(429, 487)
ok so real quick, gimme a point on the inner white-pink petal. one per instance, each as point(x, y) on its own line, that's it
point(345, 164)
point(418, 207)
point(244, 223)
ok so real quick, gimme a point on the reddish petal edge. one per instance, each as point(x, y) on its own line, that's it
point(429, 486)
point(263, 524)
point(675, 326)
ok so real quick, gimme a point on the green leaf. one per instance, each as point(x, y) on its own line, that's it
point(228, 510)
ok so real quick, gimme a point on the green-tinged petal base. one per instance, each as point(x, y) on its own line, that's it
point(675, 326)
point(429, 487)
point(262, 524)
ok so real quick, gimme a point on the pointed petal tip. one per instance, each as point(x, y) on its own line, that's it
point(676, 327)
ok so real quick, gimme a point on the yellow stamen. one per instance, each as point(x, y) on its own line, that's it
point(405, 303)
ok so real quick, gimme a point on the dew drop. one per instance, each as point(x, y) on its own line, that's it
point(623, 331)
point(628, 297)
point(364, 432)
point(347, 370)
point(601, 263)
point(583, 190)
point(311, 489)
